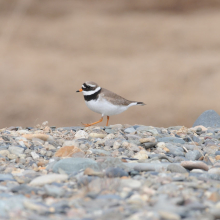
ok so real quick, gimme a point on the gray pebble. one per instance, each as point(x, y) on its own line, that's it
point(176, 168)
point(193, 155)
point(115, 172)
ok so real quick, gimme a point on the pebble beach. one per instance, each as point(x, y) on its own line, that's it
point(126, 171)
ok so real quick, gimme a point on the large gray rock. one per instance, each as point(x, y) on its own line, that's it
point(209, 118)
point(71, 165)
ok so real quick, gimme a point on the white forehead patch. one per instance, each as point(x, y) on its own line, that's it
point(83, 86)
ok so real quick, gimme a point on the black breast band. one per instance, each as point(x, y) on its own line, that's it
point(92, 97)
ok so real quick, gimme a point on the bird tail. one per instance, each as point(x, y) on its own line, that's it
point(140, 103)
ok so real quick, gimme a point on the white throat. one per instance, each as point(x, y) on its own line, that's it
point(91, 92)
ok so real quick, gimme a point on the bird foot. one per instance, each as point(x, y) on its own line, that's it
point(86, 125)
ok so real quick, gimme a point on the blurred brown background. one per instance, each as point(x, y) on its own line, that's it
point(164, 53)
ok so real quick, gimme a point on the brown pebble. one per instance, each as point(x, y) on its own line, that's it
point(42, 163)
point(43, 137)
point(217, 157)
point(194, 165)
point(215, 196)
point(90, 172)
point(67, 151)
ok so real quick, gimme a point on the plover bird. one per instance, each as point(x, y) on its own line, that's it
point(104, 102)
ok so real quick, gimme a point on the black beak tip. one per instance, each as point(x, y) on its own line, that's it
point(77, 91)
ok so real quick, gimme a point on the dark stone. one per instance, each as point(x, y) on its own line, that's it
point(133, 173)
point(29, 128)
point(115, 172)
point(149, 144)
point(209, 118)
point(136, 126)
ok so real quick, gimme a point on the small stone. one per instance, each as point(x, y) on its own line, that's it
point(100, 152)
point(135, 200)
point(194, 165)
point(199, 128)
point(97, 135)
point(43, 152)
point(217, 157)
point(47, 179)
point(197, 171)
point(166, 215)
point(68, 151)
point(54, 190)
point(148, 128)
point(215, 197)
point(115, 172)
point(6, 177)
point(16, 150)
point(116, 145)
point(208, 160)
point(90, 172)
point(214, 171)
point(134, 147)
point(162, 146)
point(12, 156)
point(43, 137)
point(171, 140)
point(42, 163)
point(81, 134)
point(110, 136)
point(141, 155)
point(130, 130)
point(193, 155)
point(130, 183)
point(210, 149)
point(150, 166)
point(215, 211)
point(175, 168)
point(148, 145)
point(4, 152)
point(125, 144)
point(49, 154)
point(71, 165)
point(145, 140)
point(22, 156)
point(34, 155)
point(49, 147)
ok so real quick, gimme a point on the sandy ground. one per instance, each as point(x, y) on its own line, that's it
point(169, 59)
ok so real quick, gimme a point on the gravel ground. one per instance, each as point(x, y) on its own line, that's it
point(115, 172)
point(163, 53)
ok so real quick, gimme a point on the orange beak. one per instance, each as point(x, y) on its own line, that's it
point(79, 90)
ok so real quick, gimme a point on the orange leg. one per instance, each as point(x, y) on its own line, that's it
point(107, 120)
point(87, 125)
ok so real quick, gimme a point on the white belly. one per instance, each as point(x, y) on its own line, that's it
point(105, 108)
